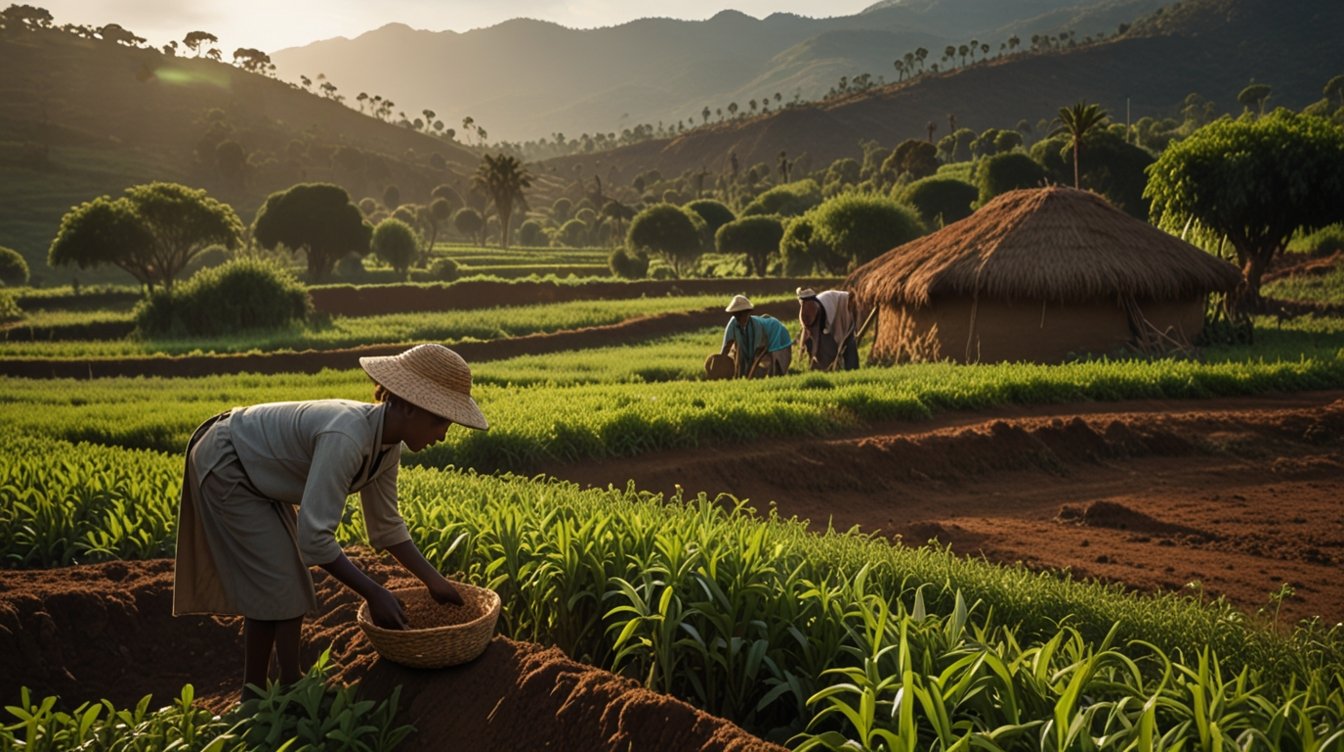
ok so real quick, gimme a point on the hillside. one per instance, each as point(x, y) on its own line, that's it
point(80, 118)
point(1213, 47)
point(526, 79)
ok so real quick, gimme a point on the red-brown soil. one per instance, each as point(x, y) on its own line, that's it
point(105, 631)
point(1238, 494)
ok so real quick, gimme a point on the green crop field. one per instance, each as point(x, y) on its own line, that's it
point(584, 405)
point(806, 637)
point(349, 331)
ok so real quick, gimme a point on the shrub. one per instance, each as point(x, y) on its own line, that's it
point(242, 294)
point(444, 270)
point(469, 223)
point(531, 233)
point(13, 268)
point(396, 243)
point(1008, 172)
point(715, 214)
point(757, 237)
point(939, 200)
point(9, 307)
point(573, 234)
point(211, 257)
point(858, 228)
point(788, 200)
point(629, 265)
point(797, 248)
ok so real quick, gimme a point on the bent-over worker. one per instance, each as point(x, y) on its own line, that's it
point(829, 321)
point(265, 487)
point(758, 338)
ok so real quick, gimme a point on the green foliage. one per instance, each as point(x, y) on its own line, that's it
point(1323, 242)
point(244, 294)
point(502, 178)
point(1218, 179)
point(788, 200)
point(1009, 172)
point(913, 157)
point(444, 270)
point(832, 636)
point(469, 223)
point(629, 264)
point(13, 268)
point(714, 213)
point(531, 234)
point(10, 310)
point(1077, 121)
point(939, 200)
point(758, 237)
point(152, 232)
point(396, 244)
point(311, 714)
point(1253, 97)
point(1113, 168)
point(859, 228)
point(1327, 287)
point(801, 252)
point(669, 231)
point(572, 234)
point(316, 218)
point(351, 266)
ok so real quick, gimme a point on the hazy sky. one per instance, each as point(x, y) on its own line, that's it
point(274, 24)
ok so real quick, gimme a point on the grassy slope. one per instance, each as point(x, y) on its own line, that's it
point(112, 116)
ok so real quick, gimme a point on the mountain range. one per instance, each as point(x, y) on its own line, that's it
point(525, 79)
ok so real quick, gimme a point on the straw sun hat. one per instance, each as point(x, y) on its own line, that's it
point(806, 292)
point(431, 377)
point(739, 304)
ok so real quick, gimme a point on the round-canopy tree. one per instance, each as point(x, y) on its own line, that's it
point(669, 231)
point(939, 201)
point(317, 218)
point(1253, 181)
point(857, 228)
point(1008, 172)
point(152, 232)
point(757, 237)
point(715, 214)
point(396, 243)
point(13, 268)
point(469, 223)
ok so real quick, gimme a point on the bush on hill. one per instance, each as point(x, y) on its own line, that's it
point(243, 294)
point(788, 200)
point(757, 237)
point(13, 269)
point(940, 201)
point(1008, 172)
point(397, 244)
point(715, 214)
point(629, 265)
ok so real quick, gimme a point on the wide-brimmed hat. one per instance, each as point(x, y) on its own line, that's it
point(431, 377)
point(739, 304)
point(806, 292)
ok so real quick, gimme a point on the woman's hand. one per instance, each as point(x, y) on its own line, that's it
point(386, 611)
point(443, 592)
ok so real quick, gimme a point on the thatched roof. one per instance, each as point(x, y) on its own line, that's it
point(1056, 244)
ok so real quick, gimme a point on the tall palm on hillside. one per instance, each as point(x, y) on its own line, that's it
point(503, 179)
point(1078, 120)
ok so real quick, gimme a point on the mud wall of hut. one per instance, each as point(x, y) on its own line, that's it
point(989, 331)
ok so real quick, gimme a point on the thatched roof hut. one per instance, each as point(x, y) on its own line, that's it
point(1038, 274)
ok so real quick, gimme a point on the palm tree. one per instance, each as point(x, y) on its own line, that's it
point(503, 179)
point(1078, 120)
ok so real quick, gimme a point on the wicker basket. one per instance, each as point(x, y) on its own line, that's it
point(719, 367)
point(439, 635)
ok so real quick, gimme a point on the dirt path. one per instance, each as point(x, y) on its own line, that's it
point(1237, 494)
point(104, 631)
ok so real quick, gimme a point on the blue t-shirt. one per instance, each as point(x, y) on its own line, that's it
point(767, 328)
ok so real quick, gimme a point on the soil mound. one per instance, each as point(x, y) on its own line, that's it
point(1117, 516)
point(1241, 494)
point(105, 631)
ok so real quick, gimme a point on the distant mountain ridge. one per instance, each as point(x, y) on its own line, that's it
point(1211, 47)
point(525, 79)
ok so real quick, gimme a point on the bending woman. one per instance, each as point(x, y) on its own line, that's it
point(265, 488)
